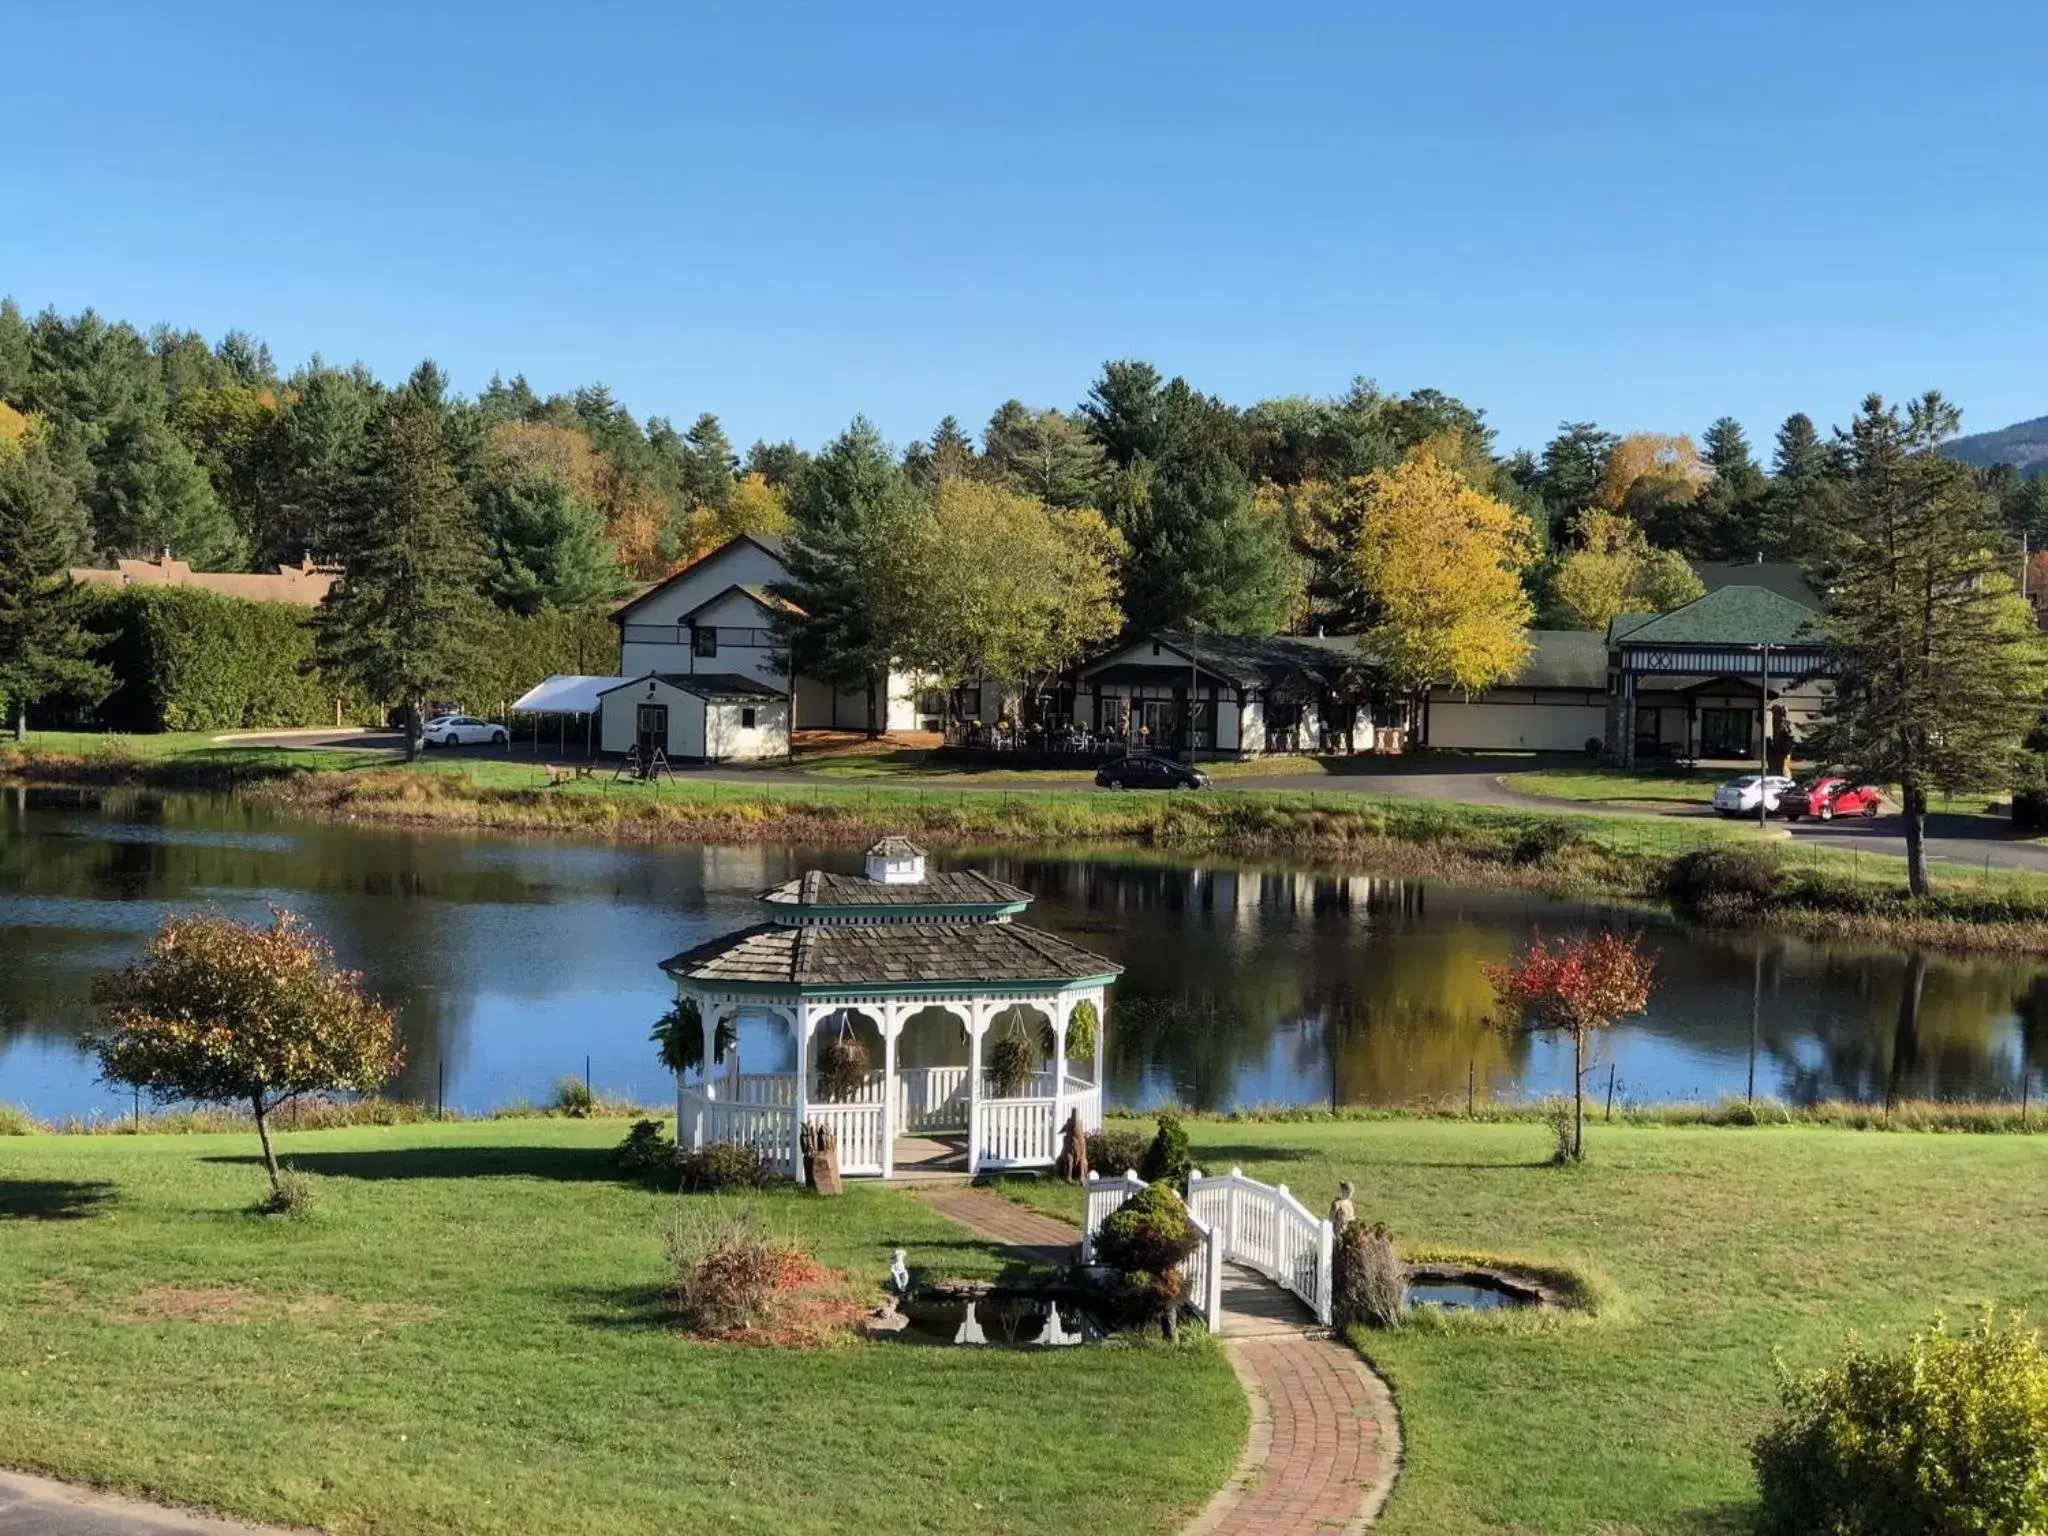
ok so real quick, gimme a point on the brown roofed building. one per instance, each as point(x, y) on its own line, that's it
point(303, 585)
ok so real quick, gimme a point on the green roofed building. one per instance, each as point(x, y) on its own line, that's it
point(1691, 683)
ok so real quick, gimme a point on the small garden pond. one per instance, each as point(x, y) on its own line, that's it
point(999, 1318)
point(1456, 1289)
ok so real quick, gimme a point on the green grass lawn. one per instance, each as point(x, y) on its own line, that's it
point(1718, 1247)
point(466, 1335)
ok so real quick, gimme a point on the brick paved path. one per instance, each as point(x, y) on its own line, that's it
point(1005, 1221)
point(1325, 1441)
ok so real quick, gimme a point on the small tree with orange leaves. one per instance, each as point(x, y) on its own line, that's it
point(1574, 986)
point(226, 1013)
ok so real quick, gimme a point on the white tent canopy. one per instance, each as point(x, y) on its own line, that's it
point(564, 694)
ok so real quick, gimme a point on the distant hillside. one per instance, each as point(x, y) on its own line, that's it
point(2024, 445)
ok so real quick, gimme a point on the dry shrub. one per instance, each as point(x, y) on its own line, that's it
point(731, 1274)
point(1370, 1281)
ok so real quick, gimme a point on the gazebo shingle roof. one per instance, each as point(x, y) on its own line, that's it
point(822, 888)
point(883, 955)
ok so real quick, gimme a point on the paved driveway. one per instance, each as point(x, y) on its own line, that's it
point(36, 1506)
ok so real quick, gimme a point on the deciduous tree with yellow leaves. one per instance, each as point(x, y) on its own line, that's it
point(1438, 567)
point(1615, 571)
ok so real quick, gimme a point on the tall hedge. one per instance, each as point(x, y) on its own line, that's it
point(191, 660)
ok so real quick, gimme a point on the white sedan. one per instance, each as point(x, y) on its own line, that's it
point(463, 731)
point(1739, 795)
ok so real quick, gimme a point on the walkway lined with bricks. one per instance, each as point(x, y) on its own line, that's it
point(1325, 1440)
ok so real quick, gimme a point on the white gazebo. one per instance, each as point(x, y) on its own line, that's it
point(926, 965)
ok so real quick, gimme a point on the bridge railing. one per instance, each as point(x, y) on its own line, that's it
point(1265, 1228)
point(1201, 1271)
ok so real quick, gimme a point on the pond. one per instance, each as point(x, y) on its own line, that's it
point(515, 962)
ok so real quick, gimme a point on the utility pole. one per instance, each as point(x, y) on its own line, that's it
point(1763, 718)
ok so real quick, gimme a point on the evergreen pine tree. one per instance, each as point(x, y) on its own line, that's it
point(44, 646)
point(151, 495)
point(1940, 665)
point(1803, 495)
point(709, 465)
point(1731, 505)
point(857, 519)
point(404, 620)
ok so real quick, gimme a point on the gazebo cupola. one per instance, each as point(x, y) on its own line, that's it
point(933, 958)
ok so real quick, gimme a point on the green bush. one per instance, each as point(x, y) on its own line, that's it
point(573, 1097)
point(1112, 1150)
point(722, 1165)
point(1947, 1436)
point(1145, 1239)
point(1722, 885)
point(648, 1152)
point(1169, 1156)
point(2030, 810)
point(1544, 841)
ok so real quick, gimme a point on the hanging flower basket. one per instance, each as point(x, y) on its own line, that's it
point(679, 1037)
point(842, 1067)
point(1082, 1024)
point(1012, 1060)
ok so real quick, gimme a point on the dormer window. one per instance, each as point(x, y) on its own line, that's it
point(703, 640)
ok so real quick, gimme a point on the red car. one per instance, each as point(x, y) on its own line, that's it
point(1827, 799)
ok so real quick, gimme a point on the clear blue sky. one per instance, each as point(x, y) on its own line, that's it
point(1644, 214)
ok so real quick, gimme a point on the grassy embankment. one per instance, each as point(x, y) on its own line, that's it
point(467, 1335)
point(1821, 890)
point(1708, 1249)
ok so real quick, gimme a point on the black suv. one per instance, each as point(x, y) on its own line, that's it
point(1146, 772)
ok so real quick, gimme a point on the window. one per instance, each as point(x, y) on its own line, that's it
point(703, 641)
point(746, 719)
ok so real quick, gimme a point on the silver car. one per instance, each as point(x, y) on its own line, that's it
point(1739, 795)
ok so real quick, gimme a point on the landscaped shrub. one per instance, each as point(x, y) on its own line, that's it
point(1728, 886)
point(1145, 1240)
point(1368, 1278)
point(185, 659)
point(1168, 1157)
point(648, 1153)
point(1114, 1150)
point(1947, 1436)
point(731, 1274)
point(724, 1165)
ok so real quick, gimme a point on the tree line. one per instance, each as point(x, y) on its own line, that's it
point(1149, 506)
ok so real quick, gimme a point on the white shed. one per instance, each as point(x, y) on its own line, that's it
point(696, 717)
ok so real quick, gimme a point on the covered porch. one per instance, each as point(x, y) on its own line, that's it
point(932, 1080)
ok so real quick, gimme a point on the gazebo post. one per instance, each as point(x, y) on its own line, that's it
point(707, 1020)
point(892, 1022)
point(1060, 1008)
point(1101, 1034)
point(805, 1019)
point(977, 1020)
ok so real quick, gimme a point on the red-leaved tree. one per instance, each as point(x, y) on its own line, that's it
point(1574, 986)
